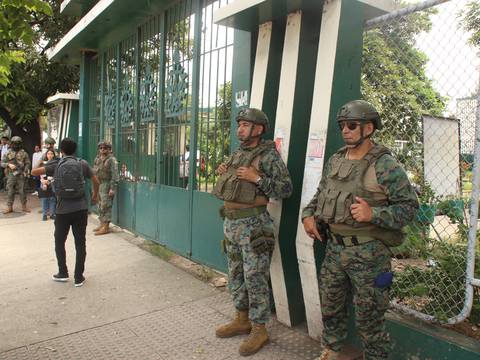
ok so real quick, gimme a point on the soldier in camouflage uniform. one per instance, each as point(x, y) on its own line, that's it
point(49, 145)
point(106, 170)
point(254, 173)
point(17, 163)
point(363, 201)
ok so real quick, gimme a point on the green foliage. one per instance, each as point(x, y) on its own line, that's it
point(33, 78)
point(16, 31)
point(471, 21)
point(394, 80)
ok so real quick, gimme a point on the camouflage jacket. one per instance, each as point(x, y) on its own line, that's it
point(276, 182)
point(18, 158)
point(106, 170)
point(401, 197)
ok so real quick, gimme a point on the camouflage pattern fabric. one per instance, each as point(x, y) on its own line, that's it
point(276, 183)
point(356, 268)
point(106, 170)
point(402, 199)
point(249, 271)
point(359, 266)
point(249, 267)
point(16, 178)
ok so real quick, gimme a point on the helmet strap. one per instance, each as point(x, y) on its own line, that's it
point(362, 138)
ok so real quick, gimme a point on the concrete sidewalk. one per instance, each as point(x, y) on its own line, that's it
point(133, 305)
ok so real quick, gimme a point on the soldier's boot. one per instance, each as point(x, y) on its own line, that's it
point(255, 341)
point(25, 208)
point(104, 229)
point(98, 227)
point(8, 210)
point(328, 354)
point(238, 326)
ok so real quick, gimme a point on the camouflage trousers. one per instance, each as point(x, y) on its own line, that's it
point(105, 203)
point(19, 182)
point(356, 269)
point(249, 270)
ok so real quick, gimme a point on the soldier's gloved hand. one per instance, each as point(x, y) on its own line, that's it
point(12, 166)
point(310, 227)
point(221, 169)
point(361, 211)
point(248, 173)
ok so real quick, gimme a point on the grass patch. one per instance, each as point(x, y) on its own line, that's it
point(157, 250)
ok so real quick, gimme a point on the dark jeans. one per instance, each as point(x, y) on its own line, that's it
point(78, 221)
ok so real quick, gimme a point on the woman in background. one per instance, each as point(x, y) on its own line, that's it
point(46, 193)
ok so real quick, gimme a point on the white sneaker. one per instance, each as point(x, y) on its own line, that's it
point(35, 193)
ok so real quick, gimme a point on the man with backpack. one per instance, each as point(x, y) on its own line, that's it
point(69, 175)
point(363, 200)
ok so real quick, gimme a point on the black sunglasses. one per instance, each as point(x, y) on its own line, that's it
point(351, 125)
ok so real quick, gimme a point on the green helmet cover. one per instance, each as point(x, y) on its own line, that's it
point(360, 110)
point(16, 139)
point(254, 116)
point(104, 143)
point(50, 141)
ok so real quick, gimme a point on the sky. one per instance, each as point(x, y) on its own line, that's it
point(453, 63)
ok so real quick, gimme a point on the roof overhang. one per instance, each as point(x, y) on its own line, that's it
point(61, 97)
point(76, 7)
point(107, 23)
point(249, 14)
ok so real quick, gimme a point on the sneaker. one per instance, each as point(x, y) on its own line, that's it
point(35, 193)
point(60, 277)
point(44, 218)
point(52, 217)
point(79, 282)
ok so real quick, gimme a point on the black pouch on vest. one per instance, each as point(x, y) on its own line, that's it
point(264, 242)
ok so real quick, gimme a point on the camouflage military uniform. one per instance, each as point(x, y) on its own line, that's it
point(248, 270)
point(106, 170)
point(16, 178)
point(364, 268)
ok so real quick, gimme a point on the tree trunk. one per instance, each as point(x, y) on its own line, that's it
point(30, 133)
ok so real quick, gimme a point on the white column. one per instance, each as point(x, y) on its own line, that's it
point(283, 123)
point(315, 159)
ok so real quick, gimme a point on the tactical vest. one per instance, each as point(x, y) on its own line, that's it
point(229, 187)
point(344, 182)
point(103, 169)
point(16, 158)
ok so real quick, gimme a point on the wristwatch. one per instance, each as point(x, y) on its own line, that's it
point(259, 178)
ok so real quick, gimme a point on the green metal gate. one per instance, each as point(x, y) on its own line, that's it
point(163, 97)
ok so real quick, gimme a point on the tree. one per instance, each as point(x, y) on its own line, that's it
point(394, 80)
point(471, 21)
point(33, 79)
point(15, 31)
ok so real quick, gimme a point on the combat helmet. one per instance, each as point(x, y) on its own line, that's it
point(16, 140)
point(360, 110)
point(50, 141)
point(105, 143)
point(254, 116)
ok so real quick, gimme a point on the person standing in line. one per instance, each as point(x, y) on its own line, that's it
point(36, 162)
point(46, 193)
point(16, 162)
point(252, 175)
point(69, 175)
point(106, 169)
point(3, 151)
point(363, 201)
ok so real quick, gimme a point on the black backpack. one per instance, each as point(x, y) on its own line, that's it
point(68, 178)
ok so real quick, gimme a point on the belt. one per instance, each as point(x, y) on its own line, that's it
point(348, 241)
point(235, 214)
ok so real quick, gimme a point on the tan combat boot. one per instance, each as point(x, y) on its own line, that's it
point(255, 341)
point(25, 208)
point(104, 229)
point(98, 227)
point(238, 326)
point(8, 210)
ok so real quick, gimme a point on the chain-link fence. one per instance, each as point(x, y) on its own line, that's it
point(419, 69)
